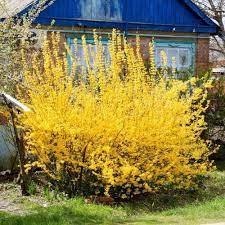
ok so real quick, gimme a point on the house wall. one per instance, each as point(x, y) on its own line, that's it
point(202, 47)
point(201, 60)
point(201, 41)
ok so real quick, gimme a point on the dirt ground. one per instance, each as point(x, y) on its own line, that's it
point(12, 201)
point(8, 196)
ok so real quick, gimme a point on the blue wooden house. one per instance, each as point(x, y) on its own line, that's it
point(179, 27)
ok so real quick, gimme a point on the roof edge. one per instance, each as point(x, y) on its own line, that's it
point(200, 13)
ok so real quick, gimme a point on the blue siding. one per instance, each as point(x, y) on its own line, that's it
point(162, 15)
point(85, 9)
point(162, 12)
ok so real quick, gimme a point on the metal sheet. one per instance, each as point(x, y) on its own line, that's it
point(136, 14)
point(7, 149)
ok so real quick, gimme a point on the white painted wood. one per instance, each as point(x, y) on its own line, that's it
point(15, 102)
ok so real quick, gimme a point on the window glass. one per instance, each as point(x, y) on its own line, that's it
point(81, 62)
point(101, 9)
point(184, 55)
point(158, 57)
point(172, 54)
point(178, 57)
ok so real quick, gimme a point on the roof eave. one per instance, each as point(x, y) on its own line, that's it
point(200, 13)
point(78, 22)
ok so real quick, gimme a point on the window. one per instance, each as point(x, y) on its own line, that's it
point(81, 62)
point(101, 9)
point(180, 54)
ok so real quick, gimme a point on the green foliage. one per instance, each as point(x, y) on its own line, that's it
point(215, 118)
point(53, 194)
point(32, 188)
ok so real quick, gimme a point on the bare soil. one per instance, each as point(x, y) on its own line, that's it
point(13, 202)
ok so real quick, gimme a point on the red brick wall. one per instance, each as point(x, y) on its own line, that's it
point(202, 55)
point(144, 45)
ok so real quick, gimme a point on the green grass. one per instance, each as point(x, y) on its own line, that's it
point(75, 212)
point(72, 212)
point(182, 209)
point(207, 212)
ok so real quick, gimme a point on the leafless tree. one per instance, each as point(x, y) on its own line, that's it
point(215, 9)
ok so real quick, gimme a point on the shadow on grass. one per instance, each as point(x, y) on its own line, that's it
point(214, 186)
point(157, 203)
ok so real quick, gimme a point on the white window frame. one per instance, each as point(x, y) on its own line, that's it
point(178, 46)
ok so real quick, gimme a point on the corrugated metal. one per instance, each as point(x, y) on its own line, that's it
point(162, 12)
point(162, 15)
point(85, 9)
point(8, 151)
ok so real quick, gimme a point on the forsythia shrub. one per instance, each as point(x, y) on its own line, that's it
point(114, 126)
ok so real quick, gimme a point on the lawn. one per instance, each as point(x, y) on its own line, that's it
point(205, 207)
point(77, 212)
